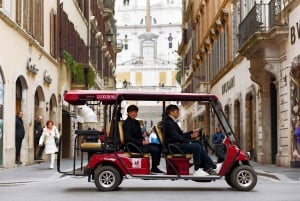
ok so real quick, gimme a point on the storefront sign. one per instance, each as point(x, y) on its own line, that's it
point(228, 85)
point(295, 33)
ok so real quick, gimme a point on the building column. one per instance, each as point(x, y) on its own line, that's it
point(263, 130)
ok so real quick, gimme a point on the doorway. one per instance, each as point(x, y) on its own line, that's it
point(273, 105)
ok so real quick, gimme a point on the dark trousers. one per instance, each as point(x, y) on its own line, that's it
point(200, 156)
point(18, 142)
point(155, 151)
point(38, 151)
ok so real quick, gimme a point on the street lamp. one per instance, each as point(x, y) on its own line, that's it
point(109, 36)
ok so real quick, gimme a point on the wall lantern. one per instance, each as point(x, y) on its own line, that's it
point(31, 67)
point(109, 36)
point(47, 78)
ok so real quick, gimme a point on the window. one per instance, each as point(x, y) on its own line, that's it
point(18, 11)
point(126, 42)
point(53, 44)
point(170, 38)
point(33, 19)
point(126, 2)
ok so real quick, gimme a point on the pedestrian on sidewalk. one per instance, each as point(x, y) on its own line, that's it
point(296, 152)
point(50, 137)
point(20, 133)
point(38, 130)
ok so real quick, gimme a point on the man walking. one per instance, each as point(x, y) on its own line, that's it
point(38, 129)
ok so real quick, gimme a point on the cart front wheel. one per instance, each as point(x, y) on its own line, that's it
point(243, 178)
point(107, 178)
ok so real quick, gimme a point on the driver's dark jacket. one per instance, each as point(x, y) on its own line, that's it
point(133, 131)
point(174, 134)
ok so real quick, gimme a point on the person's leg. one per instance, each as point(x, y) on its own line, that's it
point(52, 161)
point(195, 149)
point(36, 147)
point(18, 142)
point(40, 152)
point(155, 154)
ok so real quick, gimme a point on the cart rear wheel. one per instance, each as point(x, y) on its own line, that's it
point(107, 178)
point(243, 178)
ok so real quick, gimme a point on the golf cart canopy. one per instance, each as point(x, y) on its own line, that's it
point(80, 97)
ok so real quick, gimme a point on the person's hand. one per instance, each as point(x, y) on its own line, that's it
point(146, 141)
point(195, 135)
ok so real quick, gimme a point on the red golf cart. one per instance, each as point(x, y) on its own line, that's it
point(109, 160)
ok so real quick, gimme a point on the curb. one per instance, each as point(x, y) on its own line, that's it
point(264, 174)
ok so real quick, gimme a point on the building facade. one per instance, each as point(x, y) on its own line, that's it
point(150, 32)
point(247, 53)
point(47, 48)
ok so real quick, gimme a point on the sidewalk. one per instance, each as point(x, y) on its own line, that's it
point(276, 172)
point(41, 172)
point(33, 173)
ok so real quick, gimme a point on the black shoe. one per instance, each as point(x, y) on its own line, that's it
point(213, 166)
point(156, 171)
point(211, 171)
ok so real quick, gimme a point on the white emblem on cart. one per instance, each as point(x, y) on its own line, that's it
point(136, 162)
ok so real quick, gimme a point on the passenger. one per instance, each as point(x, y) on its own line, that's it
point(185, 141)
point(133, 133)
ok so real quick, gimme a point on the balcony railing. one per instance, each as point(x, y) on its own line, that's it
point(262, 18)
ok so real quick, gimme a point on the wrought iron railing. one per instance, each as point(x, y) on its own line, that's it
point(261, 18)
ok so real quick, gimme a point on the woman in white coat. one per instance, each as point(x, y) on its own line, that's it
point(49, 136)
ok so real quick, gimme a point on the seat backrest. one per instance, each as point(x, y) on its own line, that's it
point(158, 131)
point(121, 132)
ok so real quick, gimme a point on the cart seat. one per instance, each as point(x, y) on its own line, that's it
point(158, 130)
point(138, 154)
point(90, 146)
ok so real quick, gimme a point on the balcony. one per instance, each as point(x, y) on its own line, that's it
point(108, 8)
point(262, 19)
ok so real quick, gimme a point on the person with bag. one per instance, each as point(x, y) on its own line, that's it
point(49, 138)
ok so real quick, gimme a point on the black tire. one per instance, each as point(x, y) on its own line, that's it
point(107, 178)
point(243, 178)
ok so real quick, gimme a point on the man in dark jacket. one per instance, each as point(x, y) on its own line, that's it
point(38, 129)
point(185, 141)
point(20, 133)
point(133, 133)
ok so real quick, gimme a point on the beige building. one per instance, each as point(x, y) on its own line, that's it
point(247, 53)
point(38, 40)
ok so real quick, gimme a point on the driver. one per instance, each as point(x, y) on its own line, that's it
point(133, 133)
point(186, 141)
